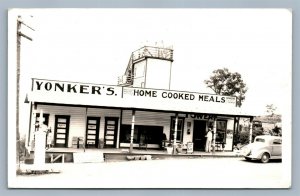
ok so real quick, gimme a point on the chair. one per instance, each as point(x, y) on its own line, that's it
point(74, 142)
point(80, 142)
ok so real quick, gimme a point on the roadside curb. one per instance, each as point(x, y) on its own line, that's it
point(108, 157)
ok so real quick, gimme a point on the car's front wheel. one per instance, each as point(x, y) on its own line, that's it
point(265, 157)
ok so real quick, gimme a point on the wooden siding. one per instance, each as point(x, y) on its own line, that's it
point(77, 118)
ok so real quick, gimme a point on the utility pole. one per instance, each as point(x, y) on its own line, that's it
point(20, 23)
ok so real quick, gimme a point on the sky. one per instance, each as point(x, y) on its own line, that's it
point(94, 45)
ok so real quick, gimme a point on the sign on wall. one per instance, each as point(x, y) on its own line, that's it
point(178, 96)
point(75, 88)
point(72, 93)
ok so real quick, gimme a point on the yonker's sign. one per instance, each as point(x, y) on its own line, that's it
point(67, 88)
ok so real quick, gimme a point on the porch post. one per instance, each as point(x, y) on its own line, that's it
point(41, 120)
point(175, 133)
point(238, 130)
point(30, 122)
point(250, 130)
point(85, 133)
point(132, 131)
point(234, 133)
point(119, 129)
point(33, 128)
point(215, 133)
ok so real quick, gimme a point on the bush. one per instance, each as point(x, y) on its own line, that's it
point(22, 152)
point(244, 136)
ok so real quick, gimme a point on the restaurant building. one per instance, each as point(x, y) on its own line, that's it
point(140, 110)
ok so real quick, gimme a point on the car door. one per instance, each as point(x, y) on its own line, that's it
point(276, 147)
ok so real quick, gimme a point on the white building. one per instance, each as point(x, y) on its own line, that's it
point(141, 109)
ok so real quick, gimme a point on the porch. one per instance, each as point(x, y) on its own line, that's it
point(62, 155)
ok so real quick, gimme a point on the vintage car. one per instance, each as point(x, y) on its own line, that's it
point(264, 148)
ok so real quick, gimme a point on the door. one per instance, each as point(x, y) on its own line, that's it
point(92, 132)
point(199, 133)
point(61, 131)
point(111, 127)
point(276, 147)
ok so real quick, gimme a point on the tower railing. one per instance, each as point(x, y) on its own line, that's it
point(152, 52)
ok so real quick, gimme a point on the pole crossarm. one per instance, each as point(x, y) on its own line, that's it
point(26, 25)
point(23, 35)
point(20, 21)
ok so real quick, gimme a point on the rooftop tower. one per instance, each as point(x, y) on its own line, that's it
point(149, 67)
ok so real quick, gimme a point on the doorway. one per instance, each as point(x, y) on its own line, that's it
point(61, 131)
point(92, 132)
point(199, 138)
point(110, 130)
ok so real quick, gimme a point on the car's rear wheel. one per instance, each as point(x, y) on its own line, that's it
point(265, 157)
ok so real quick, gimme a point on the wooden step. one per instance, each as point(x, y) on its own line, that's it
point(88, 157)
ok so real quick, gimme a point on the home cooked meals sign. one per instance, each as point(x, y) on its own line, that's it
point(97, 94)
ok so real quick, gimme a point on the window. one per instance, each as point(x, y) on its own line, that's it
point(277, 141)
point(180, 127)
point(142, 133)
point(37, 120)
point(45, 118)
point(260, 140)
point(221, 131)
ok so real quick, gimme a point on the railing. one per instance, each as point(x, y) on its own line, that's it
point(53, 158)
point(125, 80)
point(154, 52)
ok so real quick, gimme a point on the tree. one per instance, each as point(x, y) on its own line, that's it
point(223, 82)
point(271, 109)
point(276, 131)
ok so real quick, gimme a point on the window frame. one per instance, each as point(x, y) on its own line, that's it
point(276, 142)
point(141, 130)
point(220, 131)
point(172, 129)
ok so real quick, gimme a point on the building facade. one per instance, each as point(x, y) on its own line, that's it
point(140, 110)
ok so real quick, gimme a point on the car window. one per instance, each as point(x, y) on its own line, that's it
point(259, 140)
point(277, 141)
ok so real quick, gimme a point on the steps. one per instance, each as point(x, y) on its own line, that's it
point(88, 157)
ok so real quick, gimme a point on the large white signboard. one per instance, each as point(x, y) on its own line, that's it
point(172, 96)
point(73, 93)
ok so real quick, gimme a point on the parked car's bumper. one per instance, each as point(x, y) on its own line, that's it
point(252, 157)
point(251, 154)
